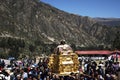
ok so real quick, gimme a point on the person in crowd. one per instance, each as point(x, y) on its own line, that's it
point(90, 70)
point(24, 73)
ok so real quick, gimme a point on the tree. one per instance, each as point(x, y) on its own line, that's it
point(12, 45)
point(31, 48)
point(116, 42)
point(3, 43)
point(73, 46)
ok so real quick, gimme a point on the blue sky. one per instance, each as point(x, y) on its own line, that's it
point(91, 8)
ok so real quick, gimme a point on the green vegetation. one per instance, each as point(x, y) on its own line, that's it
point(15, 47)
point(11, 46)
point(116, 42)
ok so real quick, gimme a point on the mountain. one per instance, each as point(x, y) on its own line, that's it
point(108, 21)
point(33, 20)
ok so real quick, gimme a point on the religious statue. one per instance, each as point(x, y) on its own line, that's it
point(64, 60)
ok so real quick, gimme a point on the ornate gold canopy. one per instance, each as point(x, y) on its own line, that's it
point(63, 61)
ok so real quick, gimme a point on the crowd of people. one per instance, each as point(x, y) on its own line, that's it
point(27, 69)
point(107, 70)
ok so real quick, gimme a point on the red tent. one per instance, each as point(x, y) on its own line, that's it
point(99, 52)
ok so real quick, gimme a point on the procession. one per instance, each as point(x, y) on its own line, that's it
point(63, 64)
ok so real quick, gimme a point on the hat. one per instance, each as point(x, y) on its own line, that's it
point(18, 75)
point(8, 71)
point(33, 66)
point(100, 65)
point(113, 76)
point(107, 75)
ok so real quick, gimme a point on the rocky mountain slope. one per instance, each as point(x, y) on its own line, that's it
point(33, 20)
point(108, 21)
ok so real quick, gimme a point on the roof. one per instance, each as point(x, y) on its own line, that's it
point(101, 52)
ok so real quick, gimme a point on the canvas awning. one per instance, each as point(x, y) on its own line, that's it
point(101, 52)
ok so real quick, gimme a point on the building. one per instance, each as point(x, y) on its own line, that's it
point(97, 54)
